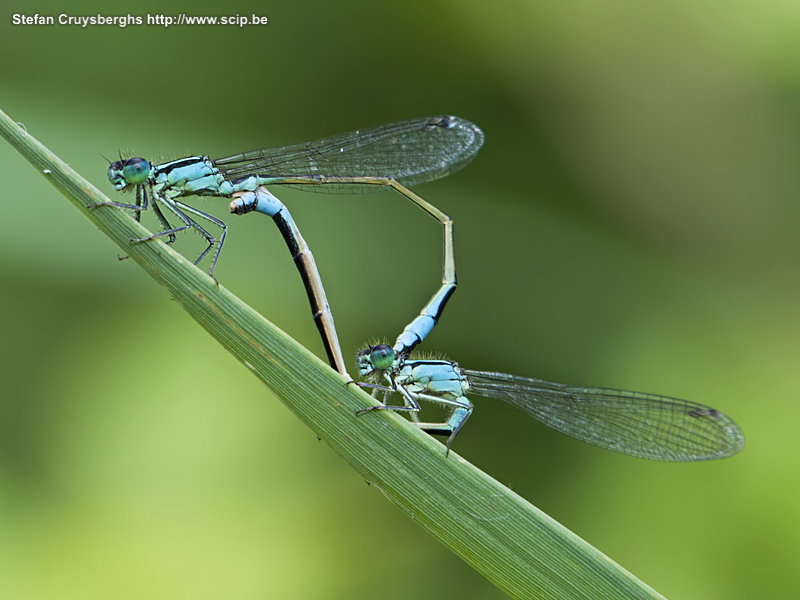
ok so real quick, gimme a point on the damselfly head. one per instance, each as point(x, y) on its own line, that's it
point(375, 358)
point(128, 172)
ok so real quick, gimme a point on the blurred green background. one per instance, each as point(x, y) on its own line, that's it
point(633, 221)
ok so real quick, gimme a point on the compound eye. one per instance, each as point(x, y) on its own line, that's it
point(135, 170)
point(381, 357)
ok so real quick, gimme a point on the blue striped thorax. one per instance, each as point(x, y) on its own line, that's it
point(441, 378)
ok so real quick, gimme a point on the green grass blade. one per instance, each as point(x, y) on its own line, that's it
point(511, 542)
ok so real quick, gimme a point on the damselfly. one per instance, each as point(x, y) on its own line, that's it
point(391, 156)
point(643, 425)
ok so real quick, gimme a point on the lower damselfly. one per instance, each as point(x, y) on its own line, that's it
point(635, 423)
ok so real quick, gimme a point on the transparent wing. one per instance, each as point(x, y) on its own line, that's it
point(411, 152)
point(643, 425)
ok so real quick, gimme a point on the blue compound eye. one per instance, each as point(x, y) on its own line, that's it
point(132, 171)
point(381, 357)
point(135, 170)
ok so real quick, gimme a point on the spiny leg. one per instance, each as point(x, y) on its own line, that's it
point(410, 403)
point(177, 208)
point(164, 223)
point(462, 409)
point(141, 200)
point(209, 238)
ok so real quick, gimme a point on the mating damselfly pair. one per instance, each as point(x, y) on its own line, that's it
point(396, 156)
